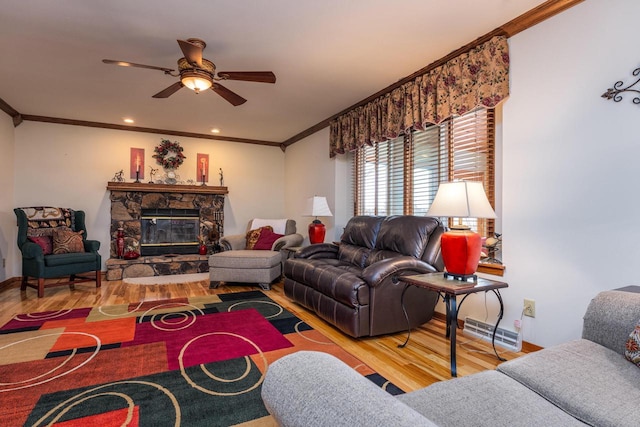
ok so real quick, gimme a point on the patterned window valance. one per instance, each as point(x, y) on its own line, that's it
point(477, 78)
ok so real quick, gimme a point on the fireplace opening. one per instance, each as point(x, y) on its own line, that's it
point(169, 231)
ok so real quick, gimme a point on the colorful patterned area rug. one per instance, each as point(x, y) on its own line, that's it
point(192, 362)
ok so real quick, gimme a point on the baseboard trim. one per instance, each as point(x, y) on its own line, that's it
point(527, 347)
point(6, 284)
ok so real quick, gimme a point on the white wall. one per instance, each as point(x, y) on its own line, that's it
point(570, 166)
point(61, 165)
point(309, 172)
point(7, 218)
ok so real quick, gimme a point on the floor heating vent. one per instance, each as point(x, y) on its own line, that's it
point(504, 338)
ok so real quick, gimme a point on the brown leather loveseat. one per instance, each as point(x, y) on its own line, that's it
point(354, 285)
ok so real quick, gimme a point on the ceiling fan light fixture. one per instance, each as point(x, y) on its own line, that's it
point(196, 81)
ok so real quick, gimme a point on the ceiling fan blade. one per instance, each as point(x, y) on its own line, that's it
point(165, 93)
point(192, 52)
point(249, 76)
point(230, 96)
point(132, 64)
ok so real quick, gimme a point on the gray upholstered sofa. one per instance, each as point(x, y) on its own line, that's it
point(354, 285)
point(582, 382)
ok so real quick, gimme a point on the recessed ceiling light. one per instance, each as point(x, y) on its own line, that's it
point(128, 120)
point(215, 130)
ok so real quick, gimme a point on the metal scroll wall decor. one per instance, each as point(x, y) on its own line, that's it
point(616, 91)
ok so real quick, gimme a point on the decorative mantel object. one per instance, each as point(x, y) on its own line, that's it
point(617, 89)
point(136, 164)
point(152, 172)
point(118, 176)
point(169, 154)
point(202, 168)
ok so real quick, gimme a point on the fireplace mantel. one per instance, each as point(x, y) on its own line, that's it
point(165, 188)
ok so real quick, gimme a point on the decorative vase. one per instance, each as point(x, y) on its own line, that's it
point(120, 242)
point(202, 250)
point(317, 232)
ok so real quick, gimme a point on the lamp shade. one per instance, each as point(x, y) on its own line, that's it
point(461, 199)
point(317, 206)
point(461, 247)
point(196, 81)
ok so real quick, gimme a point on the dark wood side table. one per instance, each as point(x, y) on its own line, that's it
point(448, 290)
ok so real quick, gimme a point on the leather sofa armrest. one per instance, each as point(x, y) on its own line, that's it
point(319, 250)
point(376, 273)
point(31, 250)
point(233, 242)
point(288, 241)
point(91, 245)
point(333, 395)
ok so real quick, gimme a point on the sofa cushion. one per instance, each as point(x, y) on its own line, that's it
point(245, 259)
point(632, 347)
point(590, 382)
point(67, 241)
point(487, 399)
point(405, 234)
point(352, 254)
point(70, 258)
point(332, 278)
point(297, 393)
point(362, 231)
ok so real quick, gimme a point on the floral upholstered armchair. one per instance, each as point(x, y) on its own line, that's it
point(53, 242)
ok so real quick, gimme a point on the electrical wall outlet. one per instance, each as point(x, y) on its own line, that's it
point(529, 307)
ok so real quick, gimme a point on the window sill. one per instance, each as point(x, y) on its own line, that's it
point(490, 268)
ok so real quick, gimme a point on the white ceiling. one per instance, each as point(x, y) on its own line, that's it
point(327, 55)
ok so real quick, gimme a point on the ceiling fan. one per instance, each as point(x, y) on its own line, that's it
point(198, 73)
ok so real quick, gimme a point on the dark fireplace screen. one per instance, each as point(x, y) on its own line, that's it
point(169, 231)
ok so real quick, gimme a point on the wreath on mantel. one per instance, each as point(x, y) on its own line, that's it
point(169, 154)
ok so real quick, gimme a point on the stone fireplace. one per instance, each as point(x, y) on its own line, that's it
point(161, 221)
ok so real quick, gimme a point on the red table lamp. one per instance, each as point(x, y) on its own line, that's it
point(317, 206)
point(461, 247)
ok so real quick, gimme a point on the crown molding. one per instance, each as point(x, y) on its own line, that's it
point(72, 122)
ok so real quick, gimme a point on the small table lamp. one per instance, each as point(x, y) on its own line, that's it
point(461, 247)
point(317, 206)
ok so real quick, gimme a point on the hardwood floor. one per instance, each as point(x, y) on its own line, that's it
point(423, 361)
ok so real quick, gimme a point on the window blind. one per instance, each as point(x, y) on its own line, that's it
point(402, 175)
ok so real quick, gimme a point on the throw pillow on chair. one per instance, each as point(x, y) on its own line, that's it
point(67, 241)
point(254, 235)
